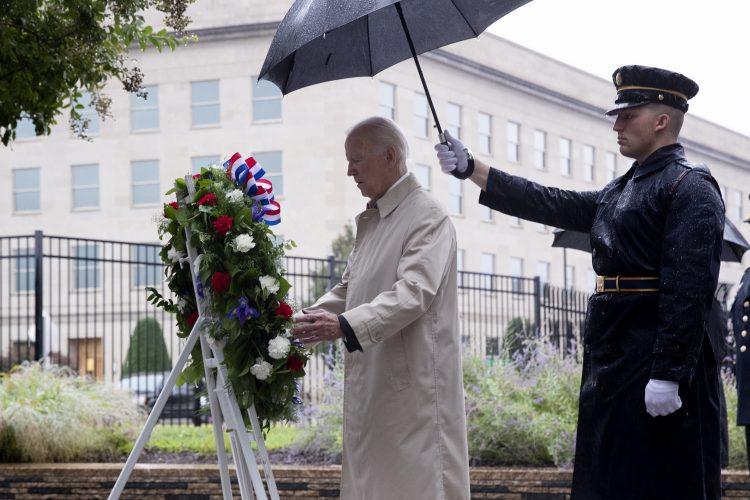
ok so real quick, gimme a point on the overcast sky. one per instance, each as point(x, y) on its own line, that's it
point(708, 41)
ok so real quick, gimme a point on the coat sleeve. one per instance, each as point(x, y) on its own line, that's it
point(519, 197)
point(429, 250)
point(691, 249)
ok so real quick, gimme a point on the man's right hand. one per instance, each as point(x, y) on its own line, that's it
point(453, 157)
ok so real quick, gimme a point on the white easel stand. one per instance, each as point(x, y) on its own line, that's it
point(225, 410)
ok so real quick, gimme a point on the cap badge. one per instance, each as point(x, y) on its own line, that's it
point(618, 79)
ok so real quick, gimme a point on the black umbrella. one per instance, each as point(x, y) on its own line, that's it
point(325, 40)
point(734, 246)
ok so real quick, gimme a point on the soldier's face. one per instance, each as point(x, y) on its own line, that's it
point(635, 129)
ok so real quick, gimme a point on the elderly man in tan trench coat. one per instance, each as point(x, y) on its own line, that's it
point(396, 310)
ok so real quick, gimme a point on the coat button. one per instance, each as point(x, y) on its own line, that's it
point(744, 333)
point(746, 304)
point(743, 348)
point(744, 318)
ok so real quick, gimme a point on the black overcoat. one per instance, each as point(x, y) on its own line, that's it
point(740, 316)
point(664, 218)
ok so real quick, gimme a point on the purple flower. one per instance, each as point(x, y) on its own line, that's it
point(258, 211)
point(297, 343)
point(296, 400)
point(243, 311)
point(199, 289)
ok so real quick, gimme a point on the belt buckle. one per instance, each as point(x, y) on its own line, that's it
point(599, 284)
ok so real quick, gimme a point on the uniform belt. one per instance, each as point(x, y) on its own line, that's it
point(607, 284)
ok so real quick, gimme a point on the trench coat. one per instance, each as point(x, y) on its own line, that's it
point(404, 415)
point(740, 316)
point(661, 219)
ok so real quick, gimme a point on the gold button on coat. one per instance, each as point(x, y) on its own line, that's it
point(744, 318)
point(743, 348)
point(746, 304)
point(744, 333)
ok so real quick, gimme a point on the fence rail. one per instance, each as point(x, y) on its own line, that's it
point(82, 303)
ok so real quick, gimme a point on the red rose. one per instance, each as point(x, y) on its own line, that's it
point(192, 318)
point(220, 281)
point(295, 364)
point(223, 224)
point(208, 199)
point(284, 310)
point(196, 176)
point(173, 205)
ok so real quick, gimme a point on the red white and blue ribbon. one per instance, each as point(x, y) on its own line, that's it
point(248, 174)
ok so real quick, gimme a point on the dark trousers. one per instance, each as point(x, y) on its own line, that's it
point(747, 444)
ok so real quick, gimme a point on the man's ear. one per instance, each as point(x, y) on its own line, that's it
point(390, 155)
point(662, 122)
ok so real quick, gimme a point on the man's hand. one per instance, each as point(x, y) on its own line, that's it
point(662, 397)
point(453, 158)
point(316, 326)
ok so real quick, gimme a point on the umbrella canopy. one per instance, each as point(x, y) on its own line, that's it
point(734, 245)
point(324, 40)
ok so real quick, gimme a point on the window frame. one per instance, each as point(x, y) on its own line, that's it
point(38, 191)
point(146, 106)
point(134, 184)
point(513, 144)
point(74, 187)
point(205, 104)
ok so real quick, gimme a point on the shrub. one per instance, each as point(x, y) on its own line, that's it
point(517, 333)
point(148, 351)
point(49, 414)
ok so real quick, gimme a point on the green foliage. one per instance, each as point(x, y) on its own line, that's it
point(200, 440)
point(737, 446)
point(517, 334)
point(246, 345)
point(52, 415)
point(148, 351)
point(53, 50)
point(341, 248)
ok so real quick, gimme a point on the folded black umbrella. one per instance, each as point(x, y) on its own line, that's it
point(734, 246)
point(324, 40)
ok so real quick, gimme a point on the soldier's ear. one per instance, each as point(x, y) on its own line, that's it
point(662, 121)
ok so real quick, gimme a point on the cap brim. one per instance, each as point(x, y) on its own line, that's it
point(624, 105)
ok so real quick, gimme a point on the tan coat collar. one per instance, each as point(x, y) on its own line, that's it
point(393, 198)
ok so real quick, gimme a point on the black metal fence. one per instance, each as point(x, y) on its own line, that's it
point(82, 303)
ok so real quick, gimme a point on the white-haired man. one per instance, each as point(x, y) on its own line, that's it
point(396, 310)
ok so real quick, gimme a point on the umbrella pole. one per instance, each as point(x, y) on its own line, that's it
point(419, 70)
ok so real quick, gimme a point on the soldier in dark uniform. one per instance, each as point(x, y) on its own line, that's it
point(740, 315)
point(648, 423)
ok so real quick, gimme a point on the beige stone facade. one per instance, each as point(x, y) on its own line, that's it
point(488, 81)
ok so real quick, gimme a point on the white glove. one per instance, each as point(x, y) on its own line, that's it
point(452, 157)
point(662, 397)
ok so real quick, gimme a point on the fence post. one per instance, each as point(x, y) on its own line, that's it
point(39, 347)
point(538, 306)
point(331, 272)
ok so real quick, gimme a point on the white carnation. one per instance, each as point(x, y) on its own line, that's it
point(278, 347)
point(174, 255)
point(269, 283)
point(261, 369)
point(181, 304)
point(235, 196)
point(243, 243)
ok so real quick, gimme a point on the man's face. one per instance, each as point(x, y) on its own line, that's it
point(367, 165)
point(635, 129)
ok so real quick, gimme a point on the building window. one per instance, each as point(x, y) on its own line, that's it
point(455, 196)
point(542, 270)
point(25, 270)
point(25, 128)
point(540, 149)
point(271, 163)
point(198, 162)
point(204, 103)
point(485, 133)
point(591, 278)
point(144, 113)
point(421, 115)
point(89, 113)
point(266, 101)
point(588, 163)
point(26, 196)
point(738, 205)
point(422, 173)
point(85, 186)
point(611, 165)
point(724, 194)
point(485, 213)
point(541, 228)
point(387, 101)
point(148, 267)
point(453, 124)
point(145, 175)
point(514, 142)
point(515, 221)
point(488, 270)
point(86, 271)
point(565, 161)
point(570, 277)
point(516, 270)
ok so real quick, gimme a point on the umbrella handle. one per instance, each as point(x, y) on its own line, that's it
point(419, 70)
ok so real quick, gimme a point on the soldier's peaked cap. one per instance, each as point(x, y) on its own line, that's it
point(639, 85)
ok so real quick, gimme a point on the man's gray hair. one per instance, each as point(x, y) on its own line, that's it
point(383, 133)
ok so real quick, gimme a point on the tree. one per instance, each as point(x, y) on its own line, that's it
point(148, 352)
point(518, 332)
point(341, 248)
point(52, 51)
